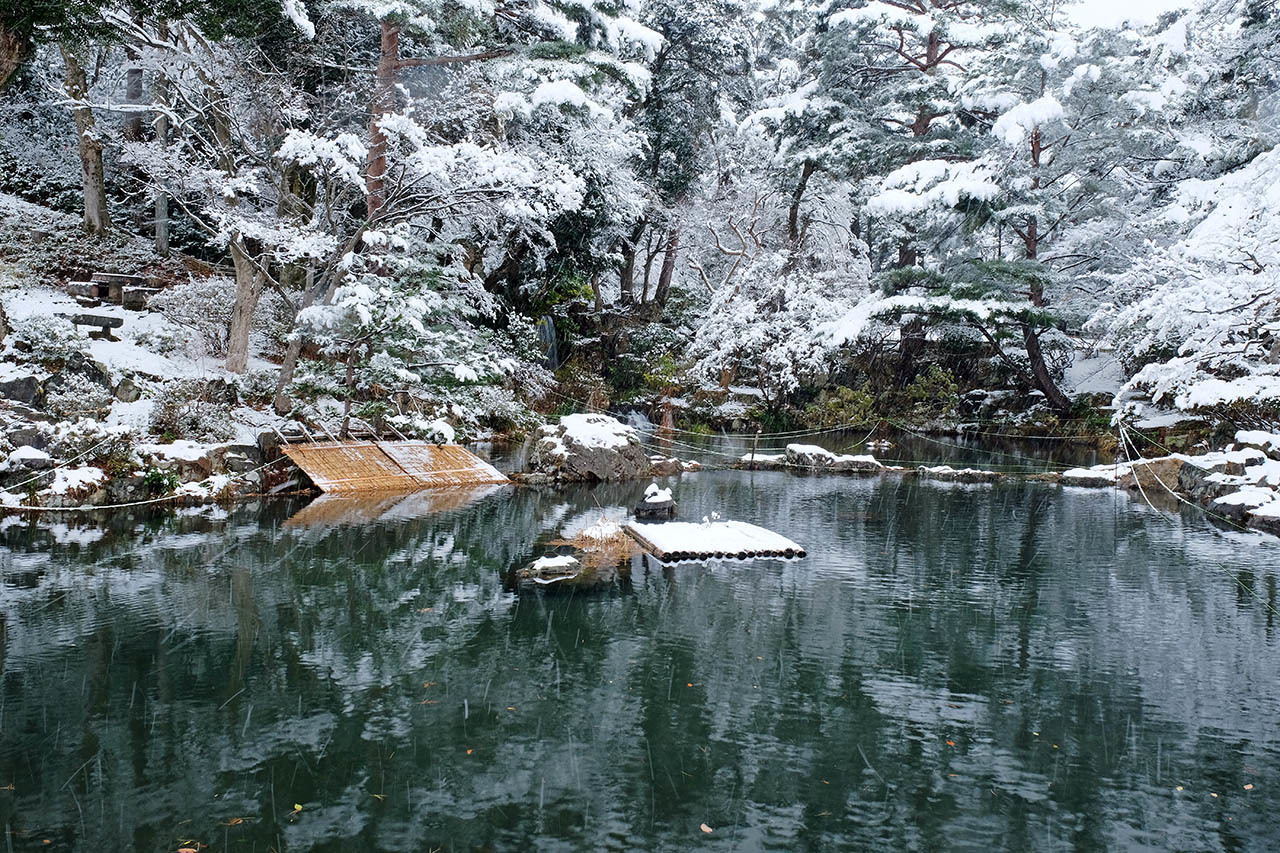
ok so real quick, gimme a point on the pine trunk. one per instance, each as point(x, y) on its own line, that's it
point(383, 101)
point(1031, 335)
point(97, 218)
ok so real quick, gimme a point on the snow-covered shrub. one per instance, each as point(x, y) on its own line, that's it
point(839, 407)
point(161, 341)
point(202, 305)
point(78, 397)
point(90, 442)
point(45, 339)
point(581, 388)
point(188, 408)
point(257, 386)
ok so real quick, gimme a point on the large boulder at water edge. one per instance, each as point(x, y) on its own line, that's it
point(590, 447)
point(820, 459)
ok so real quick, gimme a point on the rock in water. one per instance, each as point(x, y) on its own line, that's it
point(657, 504)
point(820, 459)
point(590, 447)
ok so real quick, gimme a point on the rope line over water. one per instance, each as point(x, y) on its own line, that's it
point(1124, 443)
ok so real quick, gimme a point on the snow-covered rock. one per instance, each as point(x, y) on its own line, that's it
point(819, 458)
point(29, 459)
point(590, 447)
point(960, 475)
point(657, 504)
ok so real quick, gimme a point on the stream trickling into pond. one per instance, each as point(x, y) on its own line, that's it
point(1009, 667)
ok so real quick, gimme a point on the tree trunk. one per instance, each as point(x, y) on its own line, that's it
point(1031, 336)
point(97, 219)
point(133, 97)
point(668, 266)
point(313, 293)
point(161, 95)
point(350, 381)
point(793, 216)
point(251, 281)
point(1040, 370)
point(383, 102)
point(14, 51)
point(627, 277)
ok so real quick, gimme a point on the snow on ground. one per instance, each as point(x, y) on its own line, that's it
point(74, 479)
point(1098, 373)
point(187, 451)
point(126, 355)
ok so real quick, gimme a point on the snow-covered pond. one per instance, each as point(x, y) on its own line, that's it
point(1012, 666)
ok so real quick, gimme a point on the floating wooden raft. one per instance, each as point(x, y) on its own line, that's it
point(677, 541)
point(390, 466)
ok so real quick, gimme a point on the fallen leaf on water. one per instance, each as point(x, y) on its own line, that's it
point(1215, 796)
point(951, 743)
point(468, 752)
point(429, 684)
point(690, 684)
point(705, 828)
point(235, 821)
point(1249, 787)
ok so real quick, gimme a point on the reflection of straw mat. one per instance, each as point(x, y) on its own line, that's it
point(366, 507)
point(390, 466)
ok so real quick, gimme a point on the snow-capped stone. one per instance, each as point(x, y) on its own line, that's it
point(819, 458)
point(590, 447)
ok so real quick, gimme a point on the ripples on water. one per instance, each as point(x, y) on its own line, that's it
point(954, 667)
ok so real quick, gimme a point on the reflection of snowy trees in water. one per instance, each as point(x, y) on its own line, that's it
point(200, 669)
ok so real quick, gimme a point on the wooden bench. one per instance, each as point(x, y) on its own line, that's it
point(103, 323)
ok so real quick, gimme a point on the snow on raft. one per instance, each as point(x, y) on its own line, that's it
point(677, 541)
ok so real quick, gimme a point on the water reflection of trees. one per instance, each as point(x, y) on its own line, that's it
point(1082, 655)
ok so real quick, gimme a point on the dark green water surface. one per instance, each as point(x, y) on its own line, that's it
point(1017, 667)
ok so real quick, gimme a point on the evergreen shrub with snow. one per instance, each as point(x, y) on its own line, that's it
point(45, 339)
point(190, 409)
